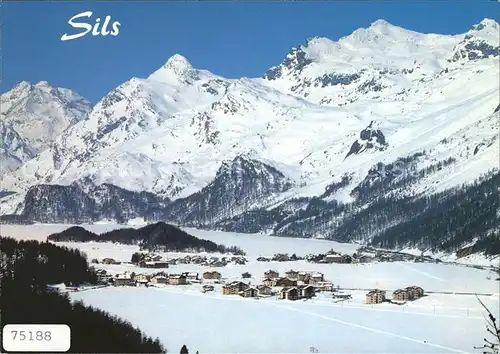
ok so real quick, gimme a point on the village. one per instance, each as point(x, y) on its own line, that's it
point(291, 285)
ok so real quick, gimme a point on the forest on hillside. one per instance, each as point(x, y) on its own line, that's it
point(27, 267)
point(153, 237)
point(445, 221)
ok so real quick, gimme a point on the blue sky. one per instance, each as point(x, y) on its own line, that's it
point(232, 39)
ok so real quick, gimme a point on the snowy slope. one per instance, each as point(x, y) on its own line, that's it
point(33, 116)
point(15, 149)
point(320, 324)
point(323, 118)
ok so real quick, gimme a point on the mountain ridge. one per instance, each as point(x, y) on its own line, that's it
point(339, 125)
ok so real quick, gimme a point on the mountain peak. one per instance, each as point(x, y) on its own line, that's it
point(176, 67)
point(42, 84)
point(486, 23)
point(178, 62)
point(380, 24)
point(23, 85)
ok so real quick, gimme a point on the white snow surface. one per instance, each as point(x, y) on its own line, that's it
point(212, 323)
point(170, 132)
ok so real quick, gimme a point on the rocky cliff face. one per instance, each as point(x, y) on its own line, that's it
point(84, 202)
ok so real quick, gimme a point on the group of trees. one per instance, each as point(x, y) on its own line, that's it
point(158, 236)
point(27, 267)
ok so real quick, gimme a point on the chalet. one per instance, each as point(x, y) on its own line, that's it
point(141, 277)
point(414, 292)
point(234, 288)
point(400, 295)
point(248, 292)
point(303, 276)
point(316, 277)
point(323, 286)
point(271, 274)
point(192, 276)
point(292, 274)
point(212, 275)
point(177, 279)
point(333, 258)
point(142, 282)
point(289, 293)
point(306, 291)
point(109, 261)
point(153, 264)
point(365, 259)
point(269, 282)
point(123, 280)
point(103, 277)
point(286, 282)
point(264, 290)
point(375, 297)
point(159, 279)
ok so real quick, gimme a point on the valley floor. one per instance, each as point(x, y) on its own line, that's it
point(448, 319)
point(214, 323)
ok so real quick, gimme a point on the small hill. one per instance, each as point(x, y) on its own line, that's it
point(158, 236)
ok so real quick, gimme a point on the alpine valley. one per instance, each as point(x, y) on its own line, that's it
point(385, 137)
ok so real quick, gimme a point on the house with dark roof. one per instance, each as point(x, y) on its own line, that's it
point(214, 275)
point(286, 282)
point(234, 288)
point(289, 293)
point(271, 274)
point(264, 290)
point(292, 274)
point(306, 291)
point(177, 279)
point(249, 292)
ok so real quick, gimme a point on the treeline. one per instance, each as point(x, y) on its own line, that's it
point(27, 267)
point(153, 237)
point(444, 221)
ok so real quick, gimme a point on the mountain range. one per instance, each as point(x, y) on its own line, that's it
point(372, 138)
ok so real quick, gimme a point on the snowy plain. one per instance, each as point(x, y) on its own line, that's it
point(444, 321)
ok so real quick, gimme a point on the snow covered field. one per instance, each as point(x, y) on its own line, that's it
point(213, 323)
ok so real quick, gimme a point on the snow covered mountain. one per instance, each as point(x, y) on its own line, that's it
point(331, 131)
point(32, 117)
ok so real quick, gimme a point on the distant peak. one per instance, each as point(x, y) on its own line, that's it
point(178, 62)
point(380, 23)
point(486, 23)
point(42, 83)
point(177, 67)
point(22, 85)
point(383, 27)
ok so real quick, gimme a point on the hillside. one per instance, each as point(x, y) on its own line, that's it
point(28, 267)
point(158, 236)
